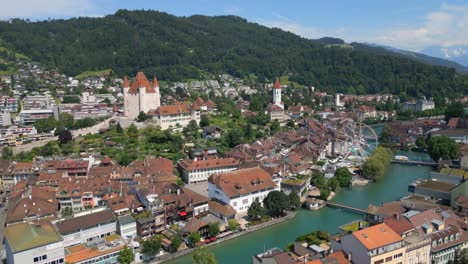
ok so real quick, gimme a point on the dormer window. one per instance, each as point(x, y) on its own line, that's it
point(440, 241)
point(434, 244)
point(446, 239)
point(451, 238)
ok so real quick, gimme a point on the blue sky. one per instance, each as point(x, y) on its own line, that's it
point(408, 24)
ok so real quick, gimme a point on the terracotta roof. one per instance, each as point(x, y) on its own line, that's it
point(178, 108)
point(190, 165)
point(273, 107)
point(243, 181)
point(221, 208)
point(155, 82)
point(125, 82)
point(277, 84)
point(400, 225)
point(386, 210)
point(193, 225)
point(377, 236)
point(336, 258)
point(141, 81)
point(77, 223)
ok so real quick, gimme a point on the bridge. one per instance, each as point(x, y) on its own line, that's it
point(346, 207)
point(415, 162)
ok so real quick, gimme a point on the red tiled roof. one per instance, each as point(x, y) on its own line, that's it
point(243, 181)
point(155, 82)
point(190, 165)
point(141, 81)
point(173, 109)
point(277, 84)
point(400, 225)
point(125, 82)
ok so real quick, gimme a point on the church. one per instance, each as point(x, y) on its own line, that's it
point(141, 95)
point(276, 109)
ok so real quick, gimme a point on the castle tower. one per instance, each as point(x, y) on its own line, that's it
point(157, 97)
point(277, 94)
point(140, 95)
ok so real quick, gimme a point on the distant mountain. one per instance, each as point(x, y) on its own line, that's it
point(416, 56)
point(179, 48)
point(457, 54)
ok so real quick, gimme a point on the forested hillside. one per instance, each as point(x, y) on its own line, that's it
point(177, 48)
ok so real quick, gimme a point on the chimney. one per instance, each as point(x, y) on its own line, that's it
point(396, 216)
point(178, 191)
point(349, 257)
point(30, 197)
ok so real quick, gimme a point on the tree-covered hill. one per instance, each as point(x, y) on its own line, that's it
point(177, 48)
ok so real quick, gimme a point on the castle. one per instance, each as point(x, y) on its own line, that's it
point(141, 95)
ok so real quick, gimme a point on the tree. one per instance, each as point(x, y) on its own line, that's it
point(200, 257)
point(151, 246)
point(442, 147)
point(275, 126)
point(126, 256)
point(67, 120)
point(67, 211)
point(343, 175)
point(194, 238)
point(233, 137)
point(276, 203)
point(421, 143)
point(71, 100)
point(461, 257)
point(132, 131)
point(64, 137)
point(294, 200)
point(233, 224)
point(249, 133)
point(191, 130)
point(118, 128)
point(142, 117)
point(255, 211)
point(290, 123)
point(334, 184)
point(454, 110)
point(175, 243)
point(213, 229)
point(7, 153)
point(386, 135)
point(324, 193)
point(204, 121)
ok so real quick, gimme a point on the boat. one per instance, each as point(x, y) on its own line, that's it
point(401, 158)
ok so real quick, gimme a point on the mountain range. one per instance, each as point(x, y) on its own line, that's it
point(179, 48)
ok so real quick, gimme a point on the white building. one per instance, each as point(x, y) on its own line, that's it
point(199, 170)
point(277, 94)
point(86, 228)
point(141, 95)
point(27, 243)
point(241, 188)
point(176, 115)
point(127, 226)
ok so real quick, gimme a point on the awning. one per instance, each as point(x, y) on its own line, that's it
point(183, 213)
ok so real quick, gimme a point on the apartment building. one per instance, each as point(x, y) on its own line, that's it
point(198, 170)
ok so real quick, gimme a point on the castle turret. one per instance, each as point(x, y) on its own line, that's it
point(140, 95)
point(156, 91)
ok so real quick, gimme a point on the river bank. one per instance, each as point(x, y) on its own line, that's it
point(168, 257)
point(390, 188)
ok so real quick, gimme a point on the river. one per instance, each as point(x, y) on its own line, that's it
point(392, 187)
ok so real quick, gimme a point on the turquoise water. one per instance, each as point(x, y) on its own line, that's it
point(392, 187)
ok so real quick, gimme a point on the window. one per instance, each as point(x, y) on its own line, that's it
point(399, 255)
point(387, 259)
point(379, 261)
point(234, 203)
point(245, 201)
point(36, 259)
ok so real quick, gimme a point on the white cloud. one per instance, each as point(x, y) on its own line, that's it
point(232, 10)
point(44, 8)
point(445, 27)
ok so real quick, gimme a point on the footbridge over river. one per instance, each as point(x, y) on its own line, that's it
point(346, 207)
point(415, 162)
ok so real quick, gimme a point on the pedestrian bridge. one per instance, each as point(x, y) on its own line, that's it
point(346, 207)
point(415, 162)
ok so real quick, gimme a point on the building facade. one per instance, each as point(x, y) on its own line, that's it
point(140, 95)
point(199, 170)
point(241, 188)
